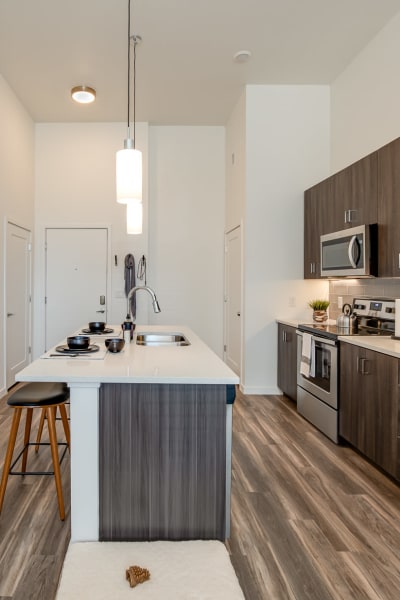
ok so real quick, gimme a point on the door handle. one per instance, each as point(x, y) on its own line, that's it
point(10, 314)
point(100, 311)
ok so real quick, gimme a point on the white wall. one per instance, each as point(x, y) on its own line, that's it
point(16, 184)
point(186, 227)
point(366, 99)
point(287, 150)
point(75, 186)
point(235, 165)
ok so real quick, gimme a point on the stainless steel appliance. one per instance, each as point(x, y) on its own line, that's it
point(318, 391)
point(350, 252)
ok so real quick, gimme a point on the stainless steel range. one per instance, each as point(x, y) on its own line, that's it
point(318, 360)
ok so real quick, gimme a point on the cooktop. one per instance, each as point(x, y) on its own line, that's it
point(332, 331)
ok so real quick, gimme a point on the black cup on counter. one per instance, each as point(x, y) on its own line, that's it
point(78, 342)
point(114, 344)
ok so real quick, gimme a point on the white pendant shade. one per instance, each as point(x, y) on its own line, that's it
point(129, 175)
point(134, 217)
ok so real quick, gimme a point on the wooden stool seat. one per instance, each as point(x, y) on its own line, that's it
point(48, 397)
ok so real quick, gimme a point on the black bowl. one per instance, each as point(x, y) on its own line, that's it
point(97, 326)
point(114, 344)
point(78, 342)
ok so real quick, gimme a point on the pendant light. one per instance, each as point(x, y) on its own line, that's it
point(129, 160)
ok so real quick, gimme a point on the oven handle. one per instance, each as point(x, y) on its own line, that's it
point(318, 338)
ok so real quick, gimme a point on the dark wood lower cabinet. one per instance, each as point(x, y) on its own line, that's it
point(369, 405)
point(163, 461)
point(287, 360)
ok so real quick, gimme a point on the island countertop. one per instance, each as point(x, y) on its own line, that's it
point(195, 363)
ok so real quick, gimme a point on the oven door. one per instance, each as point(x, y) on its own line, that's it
point(324, 383)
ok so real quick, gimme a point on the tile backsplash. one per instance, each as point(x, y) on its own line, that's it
point(350, 288)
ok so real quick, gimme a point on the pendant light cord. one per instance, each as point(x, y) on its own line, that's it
point(129, 60)
point(135, 41)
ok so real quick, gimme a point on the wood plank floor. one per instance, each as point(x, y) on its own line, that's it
point(310, 520)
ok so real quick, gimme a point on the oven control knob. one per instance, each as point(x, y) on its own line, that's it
point(389, 309)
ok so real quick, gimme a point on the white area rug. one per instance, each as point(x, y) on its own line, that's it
point(194, 570)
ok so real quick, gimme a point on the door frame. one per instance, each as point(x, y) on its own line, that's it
point(39, 291)
point(241, 360)
point(9, 221)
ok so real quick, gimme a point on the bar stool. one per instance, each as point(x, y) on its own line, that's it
point(48, 397)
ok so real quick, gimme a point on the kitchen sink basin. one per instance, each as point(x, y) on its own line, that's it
point(162, 339)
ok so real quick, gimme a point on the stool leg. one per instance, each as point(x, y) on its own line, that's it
point(40, 430)
point(65, 423)
point(28, 424)
point(9, 453)
point(51, 423)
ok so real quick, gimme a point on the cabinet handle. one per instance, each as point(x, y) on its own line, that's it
point(345, 216)
point(284, 336)
point(399, 260)
point(361, 362)
point(312, 266)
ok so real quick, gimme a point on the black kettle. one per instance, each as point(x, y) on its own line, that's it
point(347, 321)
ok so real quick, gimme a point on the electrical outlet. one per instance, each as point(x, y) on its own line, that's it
point(340, 302)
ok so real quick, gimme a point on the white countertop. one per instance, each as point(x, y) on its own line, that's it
point(383, 344)
point(137, 364)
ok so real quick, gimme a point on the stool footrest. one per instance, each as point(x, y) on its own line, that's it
point(11, 472)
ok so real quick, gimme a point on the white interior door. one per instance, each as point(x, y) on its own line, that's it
point(76, 280)
point(18, 301)
point(233, 295)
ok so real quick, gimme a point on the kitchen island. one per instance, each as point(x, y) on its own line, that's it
point(150, 439)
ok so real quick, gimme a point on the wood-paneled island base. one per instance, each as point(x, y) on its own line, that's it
point(163, 462)
point(150, 440)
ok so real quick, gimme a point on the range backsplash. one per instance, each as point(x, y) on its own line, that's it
point(350, 288)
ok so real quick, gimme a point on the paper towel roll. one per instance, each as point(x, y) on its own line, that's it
point(397, 318)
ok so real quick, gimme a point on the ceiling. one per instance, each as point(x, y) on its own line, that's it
point(185, 72)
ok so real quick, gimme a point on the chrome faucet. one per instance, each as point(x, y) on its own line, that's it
point(156, 306)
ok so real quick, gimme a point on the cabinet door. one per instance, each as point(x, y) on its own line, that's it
point(389, 210)
point(368, 413)
point(312, 265)
point(316, 199)
point(287, 360)
point(361, 203)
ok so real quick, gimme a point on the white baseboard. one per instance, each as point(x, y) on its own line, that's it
point(260, 391)
point(3, 392)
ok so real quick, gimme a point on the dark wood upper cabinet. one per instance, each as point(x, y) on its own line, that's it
point(312, 267)
point(346, 199)
point(389, 209)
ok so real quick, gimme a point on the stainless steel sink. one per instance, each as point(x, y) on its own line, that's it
point(162, 339)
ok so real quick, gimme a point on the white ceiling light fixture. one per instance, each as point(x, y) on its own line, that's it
point(83, 94)
point(242, 56)
point(129, 160)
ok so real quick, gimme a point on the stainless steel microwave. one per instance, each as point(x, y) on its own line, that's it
point(350, 252)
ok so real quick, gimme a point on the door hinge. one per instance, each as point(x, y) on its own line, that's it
point(29, 247)
point(45, 299)
point(224, 347)
point(29, 350)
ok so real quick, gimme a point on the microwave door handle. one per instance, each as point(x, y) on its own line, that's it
point(352, 243)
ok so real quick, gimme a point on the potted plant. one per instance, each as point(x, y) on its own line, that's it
point(319, 310)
